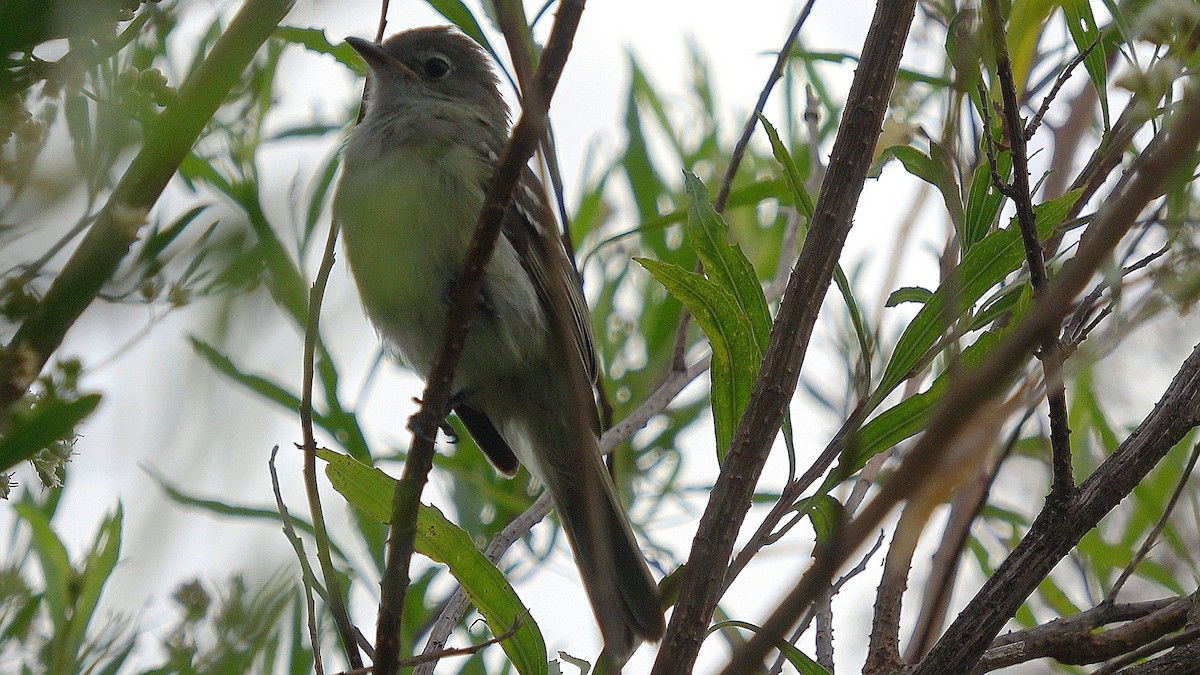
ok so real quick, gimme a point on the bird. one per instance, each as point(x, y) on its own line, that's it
point(415, 171)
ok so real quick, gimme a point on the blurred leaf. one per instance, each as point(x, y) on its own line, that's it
point(1082, 25)
point(48, 421)
point(964, 48)
point(320, 195)
point(1025, 25)
point(645, 183)
point(97, 568)
point(905, 419)
point(371, 490)
point(1058, 600)
point(71, 595)
point(934, 169)
point(55, 562)
point(342, 425)
point(158, 239)
point(314, 39)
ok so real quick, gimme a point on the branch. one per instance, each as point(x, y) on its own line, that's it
point(435, 400)
point(1076, 641)
point(730, 498)
point(1052, 354)
point(168, 140)
point(968, 396)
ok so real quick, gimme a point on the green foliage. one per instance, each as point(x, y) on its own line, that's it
point(729, 305)
point(221, 247)
point(371, 490)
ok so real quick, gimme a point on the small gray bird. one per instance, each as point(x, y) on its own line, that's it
point(416, 169)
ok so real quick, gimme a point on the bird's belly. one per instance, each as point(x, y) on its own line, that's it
point(406, 234)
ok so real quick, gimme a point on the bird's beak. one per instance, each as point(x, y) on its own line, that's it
point(378, 60)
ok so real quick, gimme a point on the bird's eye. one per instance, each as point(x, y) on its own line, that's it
point(436, 67)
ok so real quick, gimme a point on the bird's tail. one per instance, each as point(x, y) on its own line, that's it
point(622, 592)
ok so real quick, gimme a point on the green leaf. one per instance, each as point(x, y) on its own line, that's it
point(987, 264)
point(803, 201)
point(371, 490)
point(340, 424)
point(861, 331)
point(54, 560)
point(906, 418)
point(791, 172)
point(48, 421)
point(826, 514)
point(799, 660)
point(72, 597)
point(314, 39)
point(729, 335)
point(1026, 24)
point(934, 169)
point(984, 200)
point(98, 567)
point(908, 294)
point(458, 14)
point(158, 239)
point(1082, 25)
point(724, 263)
point(728, 304)
point(265, 388)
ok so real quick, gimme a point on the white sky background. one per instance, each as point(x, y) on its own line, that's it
point(213, 439)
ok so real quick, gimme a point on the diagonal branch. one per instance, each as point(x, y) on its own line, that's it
point(969, 395)
point(1054, 533)
point(1076, 639)
point(730, 498)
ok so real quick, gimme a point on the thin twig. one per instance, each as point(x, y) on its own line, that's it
point(337, 601)
point(434, 657)
point(1076, 640)
point(1036, 120)
point(1180, 638)
point(435, 400)
point(306, 573)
